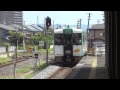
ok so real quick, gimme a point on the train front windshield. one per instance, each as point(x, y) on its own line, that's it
point(77, 39)
point(58, 39)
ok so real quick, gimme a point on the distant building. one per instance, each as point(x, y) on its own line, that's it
point(97, 33)
point(11, 17)
point(30, 30)
point(4, 29)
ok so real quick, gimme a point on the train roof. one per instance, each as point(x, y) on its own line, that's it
point(58, 31)
point(74, 30)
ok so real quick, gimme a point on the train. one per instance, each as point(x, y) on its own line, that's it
point(70, 44)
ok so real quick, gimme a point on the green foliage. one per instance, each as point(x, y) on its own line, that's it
point(20, 47)
point(24, 70)
point(29, 76)
point(50, 50)
point(4, 60)
point(14, 36)
point(42, 50)
point(6, 77)
point(34, 40)
point(42, 66)
point(38, 37)
point(7, 45)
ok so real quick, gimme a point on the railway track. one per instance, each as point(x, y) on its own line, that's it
point(61, 73)
point(20, 59)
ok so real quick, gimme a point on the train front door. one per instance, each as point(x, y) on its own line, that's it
point(68, 48)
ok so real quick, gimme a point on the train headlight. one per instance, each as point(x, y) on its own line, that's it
point(68, 52)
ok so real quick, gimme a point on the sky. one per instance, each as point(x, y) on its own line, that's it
point(62, 17)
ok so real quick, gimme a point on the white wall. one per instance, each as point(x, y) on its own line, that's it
point(3, 49)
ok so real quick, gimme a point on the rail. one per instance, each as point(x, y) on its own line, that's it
point(61, 73)
point(20, 59)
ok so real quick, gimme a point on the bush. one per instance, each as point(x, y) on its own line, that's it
point(20, 48)
point(4, 60)
point(7, 45)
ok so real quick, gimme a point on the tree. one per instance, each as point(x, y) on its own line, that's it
point(37, 37)
point(34, 40)
point(7, 45)
point(14, 36)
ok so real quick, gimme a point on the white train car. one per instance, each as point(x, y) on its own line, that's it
point(69, 44)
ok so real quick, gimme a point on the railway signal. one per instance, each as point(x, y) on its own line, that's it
point(48, 24)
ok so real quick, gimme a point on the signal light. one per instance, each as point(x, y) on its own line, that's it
point(48, 22)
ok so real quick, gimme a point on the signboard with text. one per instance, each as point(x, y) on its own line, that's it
point(41, 43)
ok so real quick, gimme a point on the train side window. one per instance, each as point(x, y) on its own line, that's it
point(58, 39)
point(77, 39)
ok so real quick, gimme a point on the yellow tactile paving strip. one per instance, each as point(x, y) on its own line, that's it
point(92, 74)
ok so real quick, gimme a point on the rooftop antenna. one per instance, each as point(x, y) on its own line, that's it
point(68, 26)
point(79, 23)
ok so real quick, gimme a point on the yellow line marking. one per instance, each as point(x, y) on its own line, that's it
point(92, 74)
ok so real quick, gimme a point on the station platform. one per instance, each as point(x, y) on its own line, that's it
point(90, 67)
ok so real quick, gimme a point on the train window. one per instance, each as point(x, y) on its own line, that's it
point(58, 39)
point(77, 39)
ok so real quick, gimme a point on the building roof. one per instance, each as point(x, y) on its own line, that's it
point(31, 28)
point(98, 26)
point(8, 27)
point(16, 26)
point(37, 27)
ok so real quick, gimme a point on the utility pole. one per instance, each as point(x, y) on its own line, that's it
point(53, 37)
point(53, 30)
point(14, 72)
point(15, 61)
point(88, 29)
point(24, 34)
point(47, 46)
point(53, 25)
point(44, 26)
